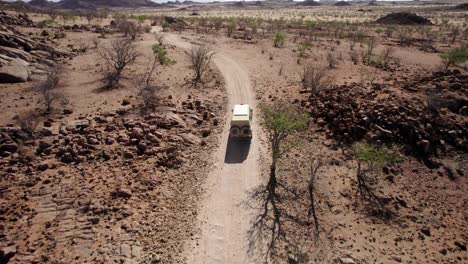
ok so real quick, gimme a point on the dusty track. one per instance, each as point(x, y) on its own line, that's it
point(224, 219)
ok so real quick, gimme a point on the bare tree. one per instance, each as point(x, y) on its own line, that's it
point(48, 90)
point(313, 78)
point(149, 91)
point(90, 15)
point(119, 55)
point(331, 59)
point(370, 48)
point(315, 165)
point(354, 55)
point(200, 57)
point(387, 54)
point(52, 14)
point(28, 122)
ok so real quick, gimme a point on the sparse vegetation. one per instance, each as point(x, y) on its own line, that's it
point(314, 78)
point(161, 54)
point(454, 57)
point(117, 56)
point(278, 40)
point(374, 157)
point(48, 89)
point(200, 57)
point(388, 90)
point(129, 28)
point(331, 59)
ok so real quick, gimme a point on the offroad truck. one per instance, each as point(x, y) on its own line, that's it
point(240, 121)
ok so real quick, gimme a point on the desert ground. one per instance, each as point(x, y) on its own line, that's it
point(101, 164)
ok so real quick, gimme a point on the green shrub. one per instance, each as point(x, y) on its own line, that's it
point(376, 155)
point(454, 57)
point(161, 54)
point(278, 41)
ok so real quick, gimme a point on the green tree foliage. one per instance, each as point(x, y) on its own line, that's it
point(281, 121)
point(376, 155)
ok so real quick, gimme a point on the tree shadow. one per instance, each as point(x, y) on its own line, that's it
point(266, 226)
point(266, 234)
point(237, 150)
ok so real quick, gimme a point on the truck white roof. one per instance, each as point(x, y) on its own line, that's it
point(241, 110)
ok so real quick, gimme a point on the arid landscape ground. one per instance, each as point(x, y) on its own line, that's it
point(115, 139)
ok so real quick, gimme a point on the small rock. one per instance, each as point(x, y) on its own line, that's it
point(125, 250)
point(128, 155)
point(122, 193)
point(6, 253)
point(125, 102)
point(347, 261)
point(10, 147)
point(426, 231)
point(136, 251)
point(67, 158)
point(45, 33)
point(43, 167)
point(460, 245)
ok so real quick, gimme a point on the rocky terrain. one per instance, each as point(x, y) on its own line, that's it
point(24, 57)
point(104, 216)
point(98, 183)
point(426, 125)
point(102, 179)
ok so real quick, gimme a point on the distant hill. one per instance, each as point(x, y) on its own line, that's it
point(342, 3)
point(308, 3)
point(92, 4)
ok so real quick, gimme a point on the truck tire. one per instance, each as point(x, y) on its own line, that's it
point(235, 131)
point(245, 131)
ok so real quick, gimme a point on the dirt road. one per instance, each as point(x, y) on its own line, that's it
point(224, 219)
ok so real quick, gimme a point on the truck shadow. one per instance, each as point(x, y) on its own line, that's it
point(237, 150)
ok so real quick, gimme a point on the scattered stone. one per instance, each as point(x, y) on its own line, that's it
point(347, 261)
point(43, 167)
point(126, 250)
point(426, 231)
point(460, 245)
point(6, 253)
point(122, 193)
point(9, 147)
point(128, 155)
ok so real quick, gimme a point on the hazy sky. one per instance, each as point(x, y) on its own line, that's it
point(163, 1)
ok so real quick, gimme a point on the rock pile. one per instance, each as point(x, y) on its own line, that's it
point(114, 136)
point(23, 58)
point(404, 18)
point(352, 113)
